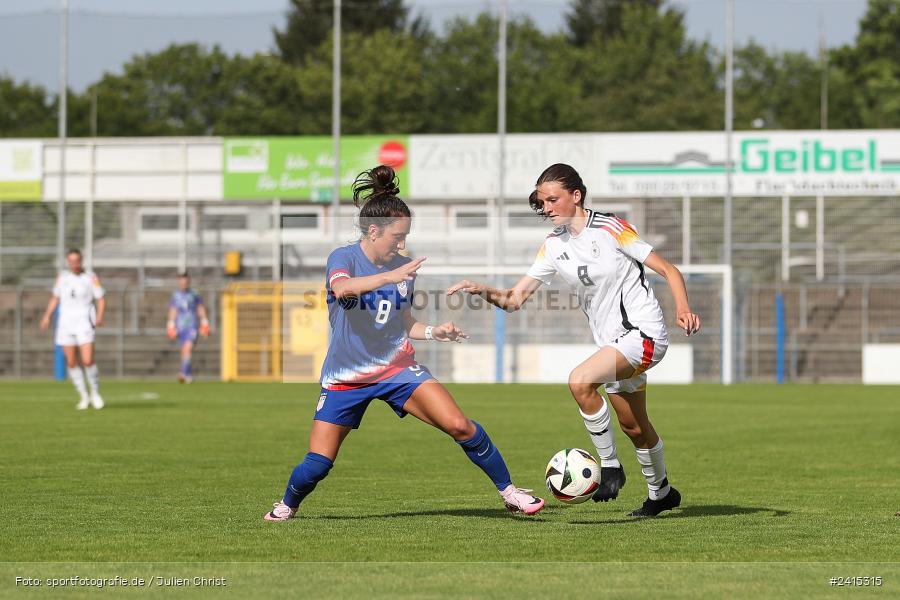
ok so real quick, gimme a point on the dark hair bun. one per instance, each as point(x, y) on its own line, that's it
point(380, 182)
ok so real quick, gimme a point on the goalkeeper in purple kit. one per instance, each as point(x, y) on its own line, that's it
point(187, 320)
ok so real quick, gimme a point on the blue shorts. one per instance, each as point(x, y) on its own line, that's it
point(347, 407)
point(186, 335)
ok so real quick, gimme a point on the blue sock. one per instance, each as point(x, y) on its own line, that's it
point(186, 367)
point(306, 475)
point(482, 451)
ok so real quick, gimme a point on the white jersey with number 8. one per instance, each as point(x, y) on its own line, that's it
point(604, 265)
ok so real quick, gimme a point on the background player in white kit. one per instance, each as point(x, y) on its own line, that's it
point(75, 292)
point(603, 259)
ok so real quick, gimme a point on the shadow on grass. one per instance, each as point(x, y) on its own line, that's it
point(489, 513)
point(702, 510)
point(690, 511)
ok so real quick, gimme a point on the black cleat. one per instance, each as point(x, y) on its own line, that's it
point(612, 479)
point(651, 508)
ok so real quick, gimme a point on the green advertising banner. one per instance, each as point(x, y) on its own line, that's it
point(20, 170)
point(303, 167)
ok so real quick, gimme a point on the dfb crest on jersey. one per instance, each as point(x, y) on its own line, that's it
point(595, 249)
point(401, 287)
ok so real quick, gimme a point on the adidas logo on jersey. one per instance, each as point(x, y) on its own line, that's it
point(563, 256)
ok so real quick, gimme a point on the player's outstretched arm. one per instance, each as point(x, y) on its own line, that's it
point(510, 299)
point(445, 332)
point(204, 320)
point(687, 320)
point(350, 287)
point(171, 332)
point(101, 310)
point(51, 306)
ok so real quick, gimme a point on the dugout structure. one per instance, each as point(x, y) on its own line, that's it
point(274, 331)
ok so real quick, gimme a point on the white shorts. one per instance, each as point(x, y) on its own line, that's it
point(642, 353)
point(75, 334)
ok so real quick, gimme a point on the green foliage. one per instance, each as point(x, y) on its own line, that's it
point(461, 77)
point(25, 110)
point(781, 90)
point(872, 66)
point(648, 77)
point(620, 66)
point(380, 85)
point(588, 19)
point(311, 22)
point(188, 90)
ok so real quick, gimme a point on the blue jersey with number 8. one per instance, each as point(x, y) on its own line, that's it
point(369, 342)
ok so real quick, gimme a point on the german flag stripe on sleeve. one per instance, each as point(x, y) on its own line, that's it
point(619, 229)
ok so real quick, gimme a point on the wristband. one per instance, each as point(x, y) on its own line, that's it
point(428, 334)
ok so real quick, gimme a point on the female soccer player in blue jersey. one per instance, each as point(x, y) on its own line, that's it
point(370, 287)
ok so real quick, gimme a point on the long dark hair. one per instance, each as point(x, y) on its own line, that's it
point(375, 194)
point(564, 175)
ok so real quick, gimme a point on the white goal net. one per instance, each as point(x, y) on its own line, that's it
point(544, 340)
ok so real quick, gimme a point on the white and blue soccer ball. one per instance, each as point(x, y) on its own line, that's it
point(573, 475)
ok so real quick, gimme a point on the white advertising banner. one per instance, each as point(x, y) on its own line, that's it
point(446, 167)
point(766, 163)
point(638, 165)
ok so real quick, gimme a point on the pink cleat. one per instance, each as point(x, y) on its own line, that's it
point(519, 500)
point(280, 512)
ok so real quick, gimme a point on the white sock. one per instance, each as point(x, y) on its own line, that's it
point(93, 378)
point(653, 466)
point(602, 436)
point(77, 377)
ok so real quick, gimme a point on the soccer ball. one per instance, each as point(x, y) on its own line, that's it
point(573, 475)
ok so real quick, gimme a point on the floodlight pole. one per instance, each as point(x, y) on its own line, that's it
point(336, 121)
point(823, 65)
point(729, 175)
point(729, 127)
point(63, 94)
point(499, 314)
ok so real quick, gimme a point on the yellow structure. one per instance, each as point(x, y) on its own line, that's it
point(274, 331)
point(233, 262)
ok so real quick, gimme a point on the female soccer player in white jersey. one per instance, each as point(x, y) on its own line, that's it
point(75, 292)
point(603, 259)
point(370, 288)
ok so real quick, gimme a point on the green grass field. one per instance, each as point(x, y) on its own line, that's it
point(783, 486)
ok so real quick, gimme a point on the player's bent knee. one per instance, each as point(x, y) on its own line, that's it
point(312, 470)
point(580, 383)
point(459, 428)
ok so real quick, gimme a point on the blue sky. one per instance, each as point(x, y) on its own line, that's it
point(106, 33)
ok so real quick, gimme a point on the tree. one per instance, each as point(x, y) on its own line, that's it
point(188, 90)
point(25, 110)
point(775, 91)
point(590, 18)
point(872, 67)
point(536, 63)
point(381, 86)
point(649, 77)
point(310, 22)
point(461, 77)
